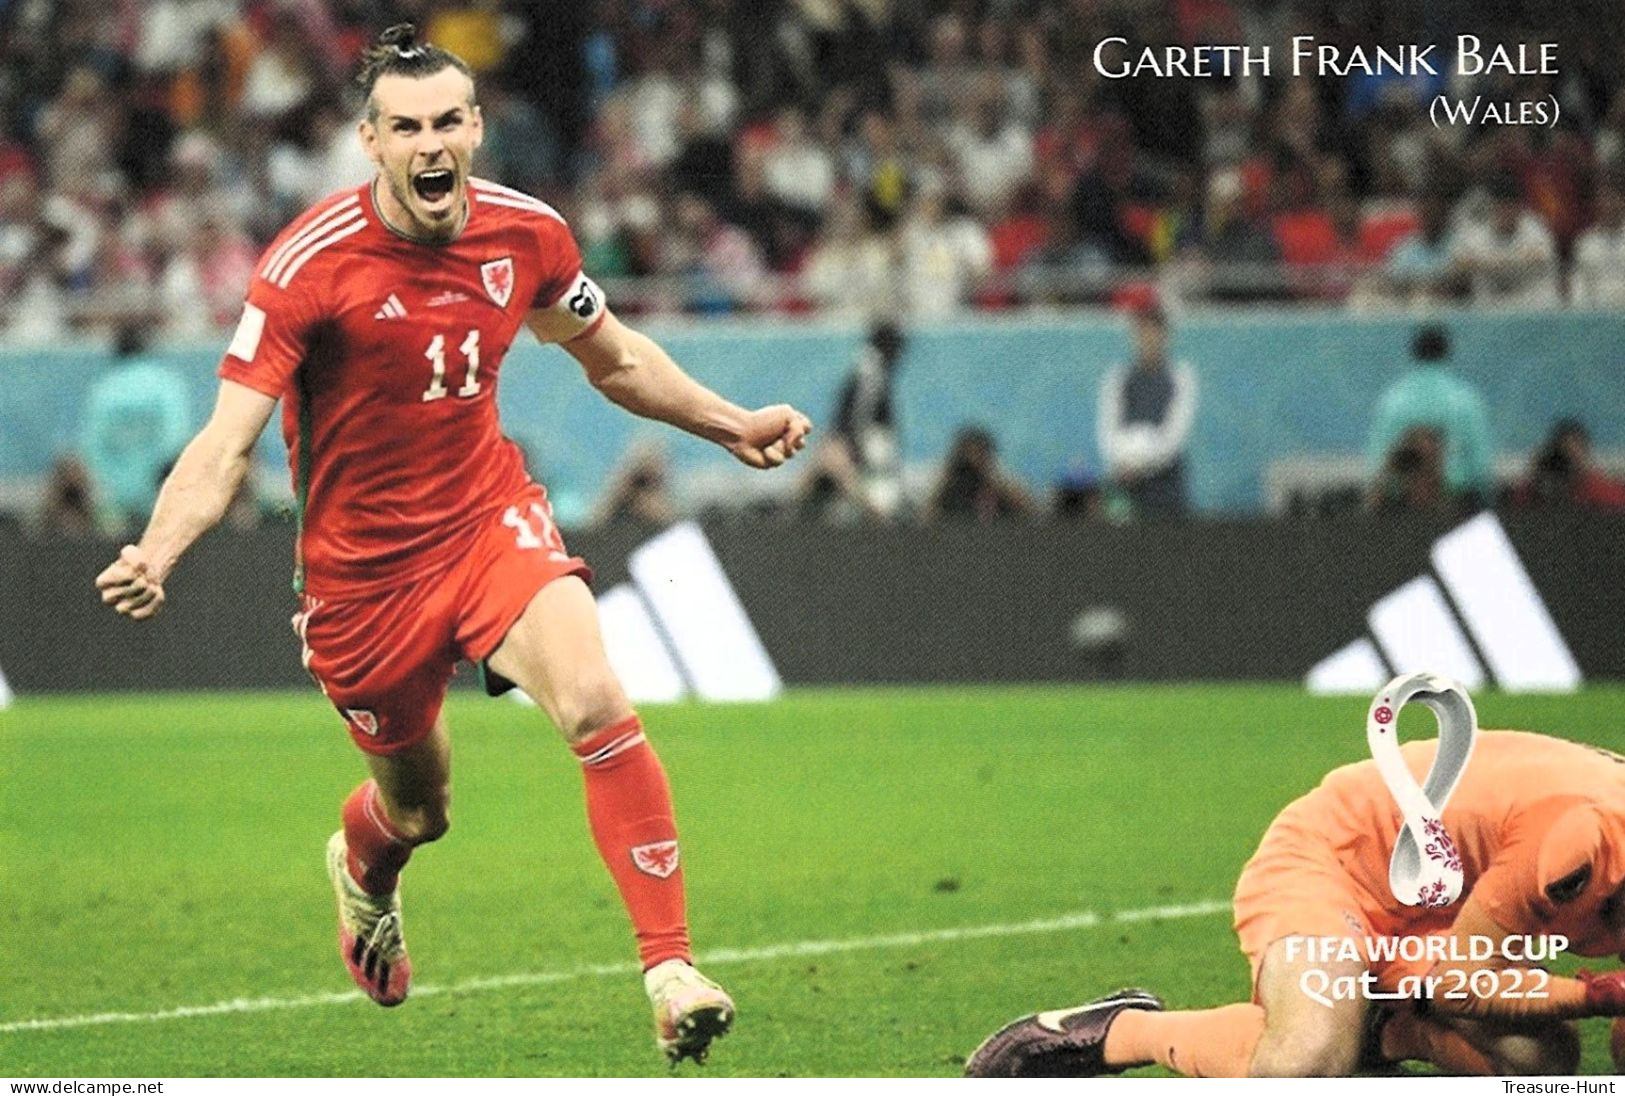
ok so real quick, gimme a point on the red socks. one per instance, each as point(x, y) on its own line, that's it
point(629, 809)
point(377, 851)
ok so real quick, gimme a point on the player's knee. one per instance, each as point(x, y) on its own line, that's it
point(423, 822)
point(1545, 1051)
point(592, 707)
point(1308, 1054)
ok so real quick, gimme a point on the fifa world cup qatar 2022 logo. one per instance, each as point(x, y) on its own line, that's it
point(1425, 869)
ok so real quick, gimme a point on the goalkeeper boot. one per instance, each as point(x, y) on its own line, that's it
point(370, 936)
point(690, 1010)
point(1066, 1042)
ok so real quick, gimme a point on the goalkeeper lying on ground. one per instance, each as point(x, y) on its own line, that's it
point(1540, 826)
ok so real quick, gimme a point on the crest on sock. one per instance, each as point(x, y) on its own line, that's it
point(658, 859)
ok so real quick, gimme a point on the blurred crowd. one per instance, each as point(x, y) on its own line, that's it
point(845, 157)
point(1430, 450)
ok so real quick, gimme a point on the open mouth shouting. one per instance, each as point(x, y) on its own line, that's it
point(434, 187)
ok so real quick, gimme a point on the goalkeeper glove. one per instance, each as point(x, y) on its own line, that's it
point(1605, 993)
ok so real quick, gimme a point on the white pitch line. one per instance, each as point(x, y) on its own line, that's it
point(796, 949)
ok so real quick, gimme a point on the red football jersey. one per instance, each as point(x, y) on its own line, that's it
point(386, 353)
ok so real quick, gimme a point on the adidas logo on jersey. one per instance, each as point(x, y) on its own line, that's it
point(393, 309)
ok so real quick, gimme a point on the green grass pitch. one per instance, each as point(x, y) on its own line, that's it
point(159, 852)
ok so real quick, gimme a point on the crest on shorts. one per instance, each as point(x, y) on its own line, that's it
point(658, 859)
point(498, 278)
point(363, 720)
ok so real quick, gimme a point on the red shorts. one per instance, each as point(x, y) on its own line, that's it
point(385, 660)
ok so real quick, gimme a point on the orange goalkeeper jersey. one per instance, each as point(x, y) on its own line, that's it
point(1539, 823)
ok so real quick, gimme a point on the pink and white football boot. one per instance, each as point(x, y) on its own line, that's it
point(690, 1010)
point(370, 936)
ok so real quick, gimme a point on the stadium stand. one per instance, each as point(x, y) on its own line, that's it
point(852, 159)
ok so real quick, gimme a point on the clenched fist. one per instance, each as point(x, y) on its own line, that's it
point(128, 586)
point(771, 436)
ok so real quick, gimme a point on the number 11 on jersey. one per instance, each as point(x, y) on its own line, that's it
point(526, 536)
point(437, 357)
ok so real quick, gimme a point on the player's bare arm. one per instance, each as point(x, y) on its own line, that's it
point(193, 500)
point(631, 370)
point(1562, 998)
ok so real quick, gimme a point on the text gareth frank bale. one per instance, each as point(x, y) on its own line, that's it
point(1116, 59)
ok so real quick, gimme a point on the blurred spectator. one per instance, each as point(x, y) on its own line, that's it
point(1081, 495)
point(119, 282)
point(1079, 181)
point(170, 210)
point(865, 417)
point(973, 485)
point(1431, 396)
point(521, 143)
point(1098, 208)
point(781, 230)
point(320, 155)
point(204, 282)
point(79, 130)
point(992, 153)
point(22, 225)
point(68, 508)
point(944, 252)
point(1554, 169)
point(1508, 256)
point(881, 168)
point(173, 32)
point(1599, 257)
point(40, 280)
point(704, 163)
point(832, 488)
point(1228, 117)
point(1068, 267)
point(797, 169)
point(471, 29)
point(849, 271)
point(1562, 474)
point(945, 80)
point(655, 101)
point(1411, 477)
point(722, 264)
point(1028, 71)
point(640, 490)
point(1419, 270)
point(137, 419)
point(1610, 140)
point(1240, 256)
point(1075, 132)
point(286, 73)
point(1145, 414)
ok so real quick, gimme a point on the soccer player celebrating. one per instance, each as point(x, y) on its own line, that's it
point(1539, 824)
point(380, 318)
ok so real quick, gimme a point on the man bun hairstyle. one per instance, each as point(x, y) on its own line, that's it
point(397, 52)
